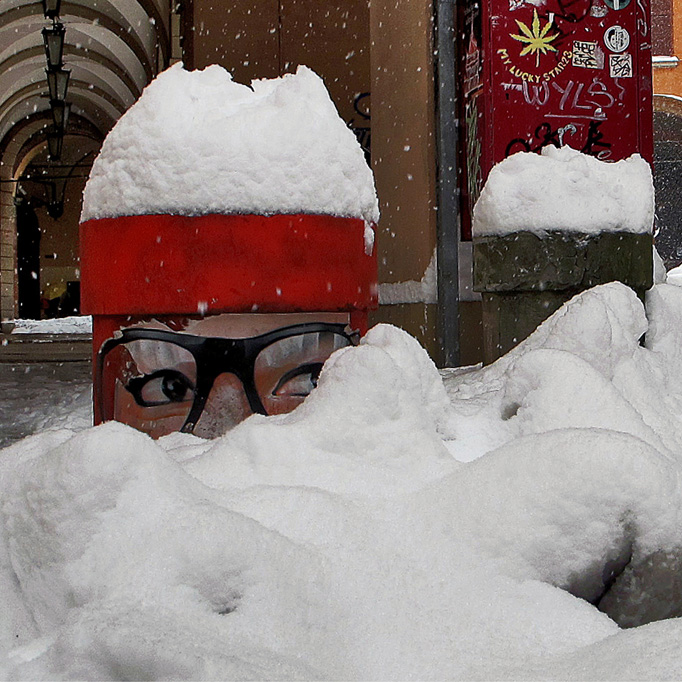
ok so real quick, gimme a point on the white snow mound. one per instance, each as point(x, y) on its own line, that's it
point(196, 143)
point(394, 526)
point(563, 189)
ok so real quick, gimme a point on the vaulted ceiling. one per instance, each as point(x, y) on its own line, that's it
point(113, 48)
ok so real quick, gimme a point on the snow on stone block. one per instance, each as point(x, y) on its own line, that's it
point(197, 143)
point(565, 190)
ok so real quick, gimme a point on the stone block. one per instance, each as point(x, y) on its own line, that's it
point(524, 277)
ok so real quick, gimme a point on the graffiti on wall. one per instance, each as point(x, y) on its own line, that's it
point(361, 123)
point(567, 72)
point(473, 152)
point(585, 136)
point(567, 97)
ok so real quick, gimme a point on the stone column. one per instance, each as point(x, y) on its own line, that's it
point(8, 246)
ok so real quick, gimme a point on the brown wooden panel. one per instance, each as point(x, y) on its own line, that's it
point(403, 136)
point(419, 319)
point(266, 38)
point(240, 35)
point(333, 40)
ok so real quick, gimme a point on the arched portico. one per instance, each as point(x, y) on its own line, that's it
point(112, 49)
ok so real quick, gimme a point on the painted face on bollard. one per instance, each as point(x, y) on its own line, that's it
point(205, 376)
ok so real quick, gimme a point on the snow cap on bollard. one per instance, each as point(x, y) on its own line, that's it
point(209, 197)
point(548, 226)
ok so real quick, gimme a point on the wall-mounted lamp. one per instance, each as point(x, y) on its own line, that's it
point(20, 196)
point(51, 8)
point(60, 114)
point(55, 206)
point(58, 82)
point(54, 144)
point(53, 37)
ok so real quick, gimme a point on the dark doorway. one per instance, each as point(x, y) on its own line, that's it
point(28, 262)
point(668, 184)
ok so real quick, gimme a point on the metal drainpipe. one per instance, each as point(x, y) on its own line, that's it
point(448, 196)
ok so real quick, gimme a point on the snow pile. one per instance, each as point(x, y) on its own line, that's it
point(74, 324)
point(562, 189)
point(197, 142)
point(394, 526)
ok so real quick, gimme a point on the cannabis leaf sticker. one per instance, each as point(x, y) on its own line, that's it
point(537, 41)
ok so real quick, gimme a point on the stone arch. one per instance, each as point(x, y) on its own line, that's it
point(25, 143)
point(112, 48)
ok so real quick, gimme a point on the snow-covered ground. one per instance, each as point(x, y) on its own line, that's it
point(395, 526)
point(38, 396)
point(74, 324)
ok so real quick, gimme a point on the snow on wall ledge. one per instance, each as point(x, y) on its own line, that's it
point(197, 143)
point(564, 190)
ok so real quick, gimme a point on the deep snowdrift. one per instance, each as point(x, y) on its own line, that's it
point(395, 526)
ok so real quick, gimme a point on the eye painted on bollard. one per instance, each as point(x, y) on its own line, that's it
point(299, 382)
point(161, 381)
point(160, 388)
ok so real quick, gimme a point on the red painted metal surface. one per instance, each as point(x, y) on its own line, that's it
point(170, 265)
point(574, 72)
